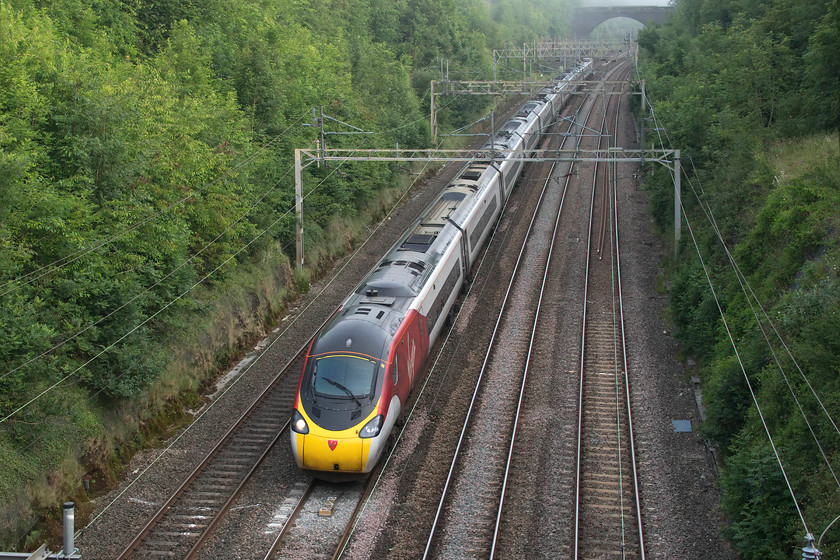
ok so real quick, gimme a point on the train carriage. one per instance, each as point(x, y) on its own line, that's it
point(361, 367)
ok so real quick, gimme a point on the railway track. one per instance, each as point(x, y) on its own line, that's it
point(219, 522)
point(189, 517)
point(315, 527)
point(607, 507)
point(471, 510)
point(194, 512)
point(479, 468)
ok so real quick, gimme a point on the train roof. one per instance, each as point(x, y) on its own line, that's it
point(358, 330)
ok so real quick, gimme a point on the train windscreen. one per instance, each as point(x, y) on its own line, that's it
point(344, 375)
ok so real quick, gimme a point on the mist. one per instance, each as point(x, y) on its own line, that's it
point(591, 3)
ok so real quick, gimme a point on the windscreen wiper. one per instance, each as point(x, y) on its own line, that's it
point(343, 388)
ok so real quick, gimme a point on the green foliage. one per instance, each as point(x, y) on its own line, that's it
point(736, 84)
point(823, 70)
point(759, 504)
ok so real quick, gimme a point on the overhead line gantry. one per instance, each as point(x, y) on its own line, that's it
point(305, 156)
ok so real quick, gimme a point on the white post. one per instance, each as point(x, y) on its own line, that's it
point(677, 200)
point(433, 116)
point(69, 528)
point(298, 212)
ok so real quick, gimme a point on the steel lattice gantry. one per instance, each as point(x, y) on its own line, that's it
point(306, 156)
point(501, 87)
point(558, 50)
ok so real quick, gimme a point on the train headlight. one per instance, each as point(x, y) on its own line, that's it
point(298, 423)
point(372, 428)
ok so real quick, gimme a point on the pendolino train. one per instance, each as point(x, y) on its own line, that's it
point(361, 367)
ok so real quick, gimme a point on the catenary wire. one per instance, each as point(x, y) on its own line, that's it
point(408, 189)
point(335, 169)
point(742, 281)
point(148, 289)
point(159, 311)
point(743, 369)
point(264, 351)
point(751, 296)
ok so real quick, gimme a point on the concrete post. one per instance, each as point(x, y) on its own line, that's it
point(323, 139)
point(433, 116)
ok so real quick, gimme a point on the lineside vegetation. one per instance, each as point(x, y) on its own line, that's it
point(750, 91)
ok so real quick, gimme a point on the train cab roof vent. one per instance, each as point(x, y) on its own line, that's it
point(471, 175)
point(362, 310)
point(385, 264)
point(417, 267)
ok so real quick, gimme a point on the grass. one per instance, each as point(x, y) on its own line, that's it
point(793, 158)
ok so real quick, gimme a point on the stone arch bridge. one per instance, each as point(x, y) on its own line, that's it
point(588, 18)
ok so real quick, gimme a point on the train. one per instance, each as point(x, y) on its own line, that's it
point(361, 367)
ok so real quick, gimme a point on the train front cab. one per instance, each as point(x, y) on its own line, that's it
point(339, 452)
point(338, 395)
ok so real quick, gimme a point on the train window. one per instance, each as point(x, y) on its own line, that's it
point(344, 376)
point(482, 223)
point(445, 292)
point(395, 375)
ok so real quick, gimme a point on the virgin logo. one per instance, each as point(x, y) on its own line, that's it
point(333, 443)
point(412, 360)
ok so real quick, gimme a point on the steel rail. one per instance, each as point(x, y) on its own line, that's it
point(530, 352)
point(360, 505)
point(478, 384)
point(633, 460)
point(582, 356)
point(616, 294)
point(235, 494)
point(339, 547)
point(275, 545)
